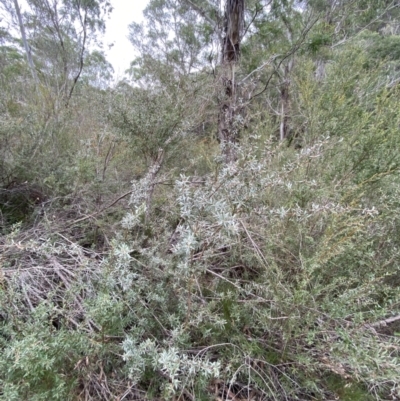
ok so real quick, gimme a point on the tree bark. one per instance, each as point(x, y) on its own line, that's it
point(285, 102)
point(227, 131)
point(227, 134)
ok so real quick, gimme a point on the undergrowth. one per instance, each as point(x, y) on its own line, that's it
point(274, 277)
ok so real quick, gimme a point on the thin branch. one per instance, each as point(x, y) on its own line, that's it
point(202, 13)
point(101, 210)
point(289, 54)
point(84, 28)
point(384, 322)
point(251, 22)
point(272, 59)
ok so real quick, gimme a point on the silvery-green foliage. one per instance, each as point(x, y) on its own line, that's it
point(185, 247)
point(255, 246)
point(141, 187)
point(178, 368)
point(140, 355)
point(122, 255)
point(132, 219)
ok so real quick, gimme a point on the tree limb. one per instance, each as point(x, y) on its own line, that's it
point(82, 52)
point(293, 50)
point(272, 59)
point(202, 13)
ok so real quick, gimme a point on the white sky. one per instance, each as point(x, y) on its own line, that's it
point(122, 53)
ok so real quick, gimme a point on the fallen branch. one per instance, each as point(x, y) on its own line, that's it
point(383, 323)
point(101, 210)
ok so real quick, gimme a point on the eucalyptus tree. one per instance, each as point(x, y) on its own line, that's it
point(343, 21)
point(180, 38)
point(12, 17)
point(174, 46)
point(233, 29)
point(281, 31)
point(56, 36)
point(183, 43)
point(68, 28)
point(268, 34)
point(172, 38)
point(350, 17)
point(97, 70)
point(25, 41)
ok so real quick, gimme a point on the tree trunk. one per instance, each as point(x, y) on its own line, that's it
point(285, 102)
point(285, 88)
point(227, 131)
point(151, 176)
point(25, 41)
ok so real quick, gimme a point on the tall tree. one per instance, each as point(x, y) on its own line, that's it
point(280, 32)
point(25, 40)
point(66, 30)
point(56, 36)
point(174, 44)
point(173, 40)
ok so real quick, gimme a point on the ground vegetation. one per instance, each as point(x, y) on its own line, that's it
point(142, 260)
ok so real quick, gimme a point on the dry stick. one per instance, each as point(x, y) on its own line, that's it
point(107, 159)
point(248, 292)
point(128, 392)
point(156, 167)
point(263, 380)
point(383, 323)
point(101, 210)
point(257, 249)
point(28, 299)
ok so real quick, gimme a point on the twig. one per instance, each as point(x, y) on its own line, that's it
point(257, 249)
point(101, 210)
point(271, 59)
point(202, 13)
point(292, 51)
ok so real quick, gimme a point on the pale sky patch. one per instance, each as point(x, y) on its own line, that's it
point(122, 53)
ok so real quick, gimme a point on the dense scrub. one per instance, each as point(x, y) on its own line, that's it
point(136, 264)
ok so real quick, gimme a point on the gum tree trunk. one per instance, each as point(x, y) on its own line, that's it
point(233, 27)
point(25, 41)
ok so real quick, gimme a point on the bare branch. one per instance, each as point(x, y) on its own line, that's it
point(271, 60)
point(202, 13)
point(25, 41)
point(384, 322)
point(292, 51)
point(82, 52)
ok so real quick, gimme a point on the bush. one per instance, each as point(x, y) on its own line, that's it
point(272, 277)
